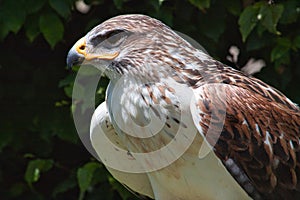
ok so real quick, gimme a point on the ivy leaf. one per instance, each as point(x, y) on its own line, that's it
point(61, 7)
point(51, 28)
point(248, 20)
point(200, 4)
point(34, 169)
point(85, 175)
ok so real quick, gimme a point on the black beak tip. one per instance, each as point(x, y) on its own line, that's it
point(74, 58)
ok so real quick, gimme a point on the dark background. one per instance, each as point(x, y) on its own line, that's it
point(41, 156)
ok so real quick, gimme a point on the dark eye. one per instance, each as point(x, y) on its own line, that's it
point(110, 39)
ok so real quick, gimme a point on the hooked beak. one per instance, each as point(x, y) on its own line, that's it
point(78, 53)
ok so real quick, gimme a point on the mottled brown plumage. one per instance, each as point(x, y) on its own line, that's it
point(261, 135)
point(259, 139)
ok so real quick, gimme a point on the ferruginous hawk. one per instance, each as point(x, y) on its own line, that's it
point(168, 104)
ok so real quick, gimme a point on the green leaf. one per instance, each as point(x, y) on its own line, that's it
point(3, 30)
point(160, 2)
point(270, 15)
point(165, 16)
point(6, 136)
point(281, 49)
point(213, 30)
point(284, 41)
point(278, 52)
point(66, 132)
point(85, 175)
point(32, 28)
point(12, 16)
point(234, 7)
point(248, 20)
point(17, 189)
point(118, 4)
point(69, 90)
point(260, 29)
point(61, 7)
point(255, 43)
point(64, 186)
point(51, 28)
point(34, 169)
point(200, 4)
point(15, 21)
point(33, 6)
point(68, 80)
point(265, 14)
point(277, 11)
point(296, 42)
point(124, 193)
point(291, 12)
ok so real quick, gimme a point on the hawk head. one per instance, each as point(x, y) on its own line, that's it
point(129, 44)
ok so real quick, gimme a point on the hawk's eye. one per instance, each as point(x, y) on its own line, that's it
point(111, 39)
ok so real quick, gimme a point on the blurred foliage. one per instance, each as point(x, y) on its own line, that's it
point(41, 155)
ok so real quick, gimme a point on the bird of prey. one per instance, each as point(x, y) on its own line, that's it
point(167, 102)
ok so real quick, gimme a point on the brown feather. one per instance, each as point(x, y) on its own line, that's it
point(266, 145)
